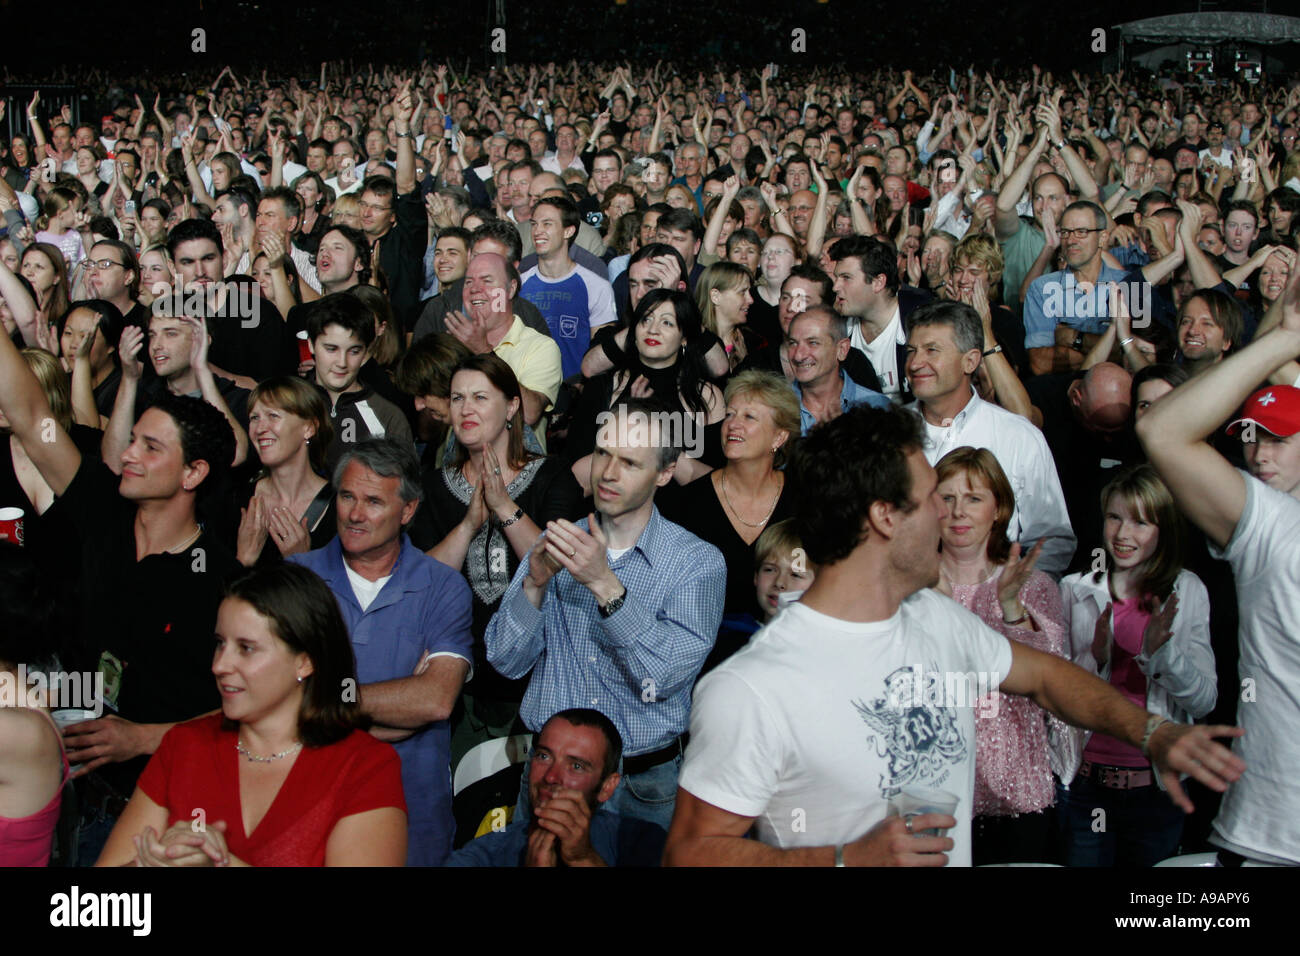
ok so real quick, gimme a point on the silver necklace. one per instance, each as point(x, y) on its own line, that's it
point(748, 524)
point(256, 758)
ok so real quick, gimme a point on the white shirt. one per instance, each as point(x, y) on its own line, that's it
point(551, 164)
point(1260, 813)
point(1223, 157)
point(301, 261)
point(366, 591)
point(882, 352)
point(1022, 451)
point(816, 724)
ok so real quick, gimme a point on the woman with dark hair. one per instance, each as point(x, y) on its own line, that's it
point(44, 268)
point(986, 574)
point(482, 513)
point(22, 156)
point(33, 766)
point(286, 774)
point(495, 495)
point(665, 362)
point(153, 223)
point(1152, 383)
point(424, 373)
point(88, 337)
point(289, 507)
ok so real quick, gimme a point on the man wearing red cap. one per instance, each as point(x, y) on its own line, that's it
point(1252, 519)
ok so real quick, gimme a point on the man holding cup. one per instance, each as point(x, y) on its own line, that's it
point(853, 697)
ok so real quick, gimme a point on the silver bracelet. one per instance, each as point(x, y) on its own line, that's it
point(519, 513)
point(1124, 343)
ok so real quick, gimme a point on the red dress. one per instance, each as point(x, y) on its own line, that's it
point(197, 768)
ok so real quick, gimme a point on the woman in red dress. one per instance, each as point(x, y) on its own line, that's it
point(284, 776)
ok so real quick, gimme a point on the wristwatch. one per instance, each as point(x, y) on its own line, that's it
point(993, 351)
point(610, 608)
point(1077, 344)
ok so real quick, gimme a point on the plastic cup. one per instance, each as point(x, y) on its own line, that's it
point(304, 348)
point(914, 801)
point(11, 525)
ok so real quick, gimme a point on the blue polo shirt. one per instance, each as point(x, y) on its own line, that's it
point(424, 607)
point(851, 394)
point(1057, 299)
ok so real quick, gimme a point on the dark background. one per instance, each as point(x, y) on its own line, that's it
point(130, 36)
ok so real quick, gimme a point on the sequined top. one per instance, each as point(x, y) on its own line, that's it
point(1012, 774)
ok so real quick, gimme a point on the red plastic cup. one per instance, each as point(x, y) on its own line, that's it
point(11, 525)
point(304, 348)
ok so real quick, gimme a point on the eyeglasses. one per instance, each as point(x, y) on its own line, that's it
point(103, 264)
point(1076, 233)
point(377, 208)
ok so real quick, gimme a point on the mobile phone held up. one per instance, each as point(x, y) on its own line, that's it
point(128, 207)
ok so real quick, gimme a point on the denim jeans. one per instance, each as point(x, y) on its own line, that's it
point(1137, 828)
point(91, 834)
point(650, 796)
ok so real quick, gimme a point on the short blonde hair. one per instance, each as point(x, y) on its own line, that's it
point(981, 250)
point(774, 392)
point(777, 539)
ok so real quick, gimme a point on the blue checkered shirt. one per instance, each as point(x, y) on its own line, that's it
point(638, 665)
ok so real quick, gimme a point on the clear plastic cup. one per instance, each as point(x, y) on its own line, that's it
point(914, 801)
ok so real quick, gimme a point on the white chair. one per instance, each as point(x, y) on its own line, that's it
point(489, 757)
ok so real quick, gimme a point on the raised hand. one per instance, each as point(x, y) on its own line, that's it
point(128, 351)
point(1160, 626)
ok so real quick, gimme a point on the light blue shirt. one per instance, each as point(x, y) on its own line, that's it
point(636, 666)
point(851, 395)
point(1057, 299)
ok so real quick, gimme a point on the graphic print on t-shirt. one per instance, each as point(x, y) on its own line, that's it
point(920, 739)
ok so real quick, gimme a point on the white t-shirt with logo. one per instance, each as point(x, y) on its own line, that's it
point(817, 723)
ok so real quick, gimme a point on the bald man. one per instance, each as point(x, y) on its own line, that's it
point(1087, 420)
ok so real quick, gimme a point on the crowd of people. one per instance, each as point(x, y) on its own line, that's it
point(579, 464)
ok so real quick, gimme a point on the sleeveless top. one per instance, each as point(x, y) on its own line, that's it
point(27, 841)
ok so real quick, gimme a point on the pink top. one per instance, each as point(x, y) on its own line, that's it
point(1012, 773)
point(26, 841)
point(1129, 623)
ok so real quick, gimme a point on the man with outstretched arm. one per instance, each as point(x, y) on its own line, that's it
point(1252, 519)
point(808, 733)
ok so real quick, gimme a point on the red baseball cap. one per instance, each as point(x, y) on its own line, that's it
point(1276, 409)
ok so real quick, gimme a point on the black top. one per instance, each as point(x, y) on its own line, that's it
point(155, 616)
point(106, 392)
point(51, 537)
point(322, 531)
point(1086, 460)
point(546, 490)
point(401, 256)
point(700, 510)
point(599, 393)
point(258, 347)
point(765, 320)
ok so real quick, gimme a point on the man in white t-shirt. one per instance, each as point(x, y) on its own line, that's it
point(1252, 519)
point(856, 695)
